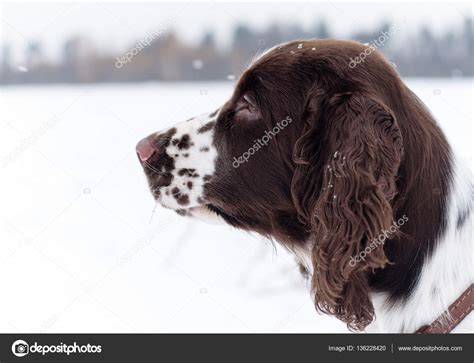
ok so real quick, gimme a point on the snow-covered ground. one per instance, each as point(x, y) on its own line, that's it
point(81, 250)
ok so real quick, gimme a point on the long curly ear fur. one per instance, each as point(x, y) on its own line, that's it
point(347, 163)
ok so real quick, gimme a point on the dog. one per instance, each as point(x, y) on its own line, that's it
point(344, 166)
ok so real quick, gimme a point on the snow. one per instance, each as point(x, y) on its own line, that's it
point(81, 249)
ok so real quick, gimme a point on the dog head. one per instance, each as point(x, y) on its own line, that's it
point(305, 151)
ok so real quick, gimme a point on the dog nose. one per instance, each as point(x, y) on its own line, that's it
point(145, 149)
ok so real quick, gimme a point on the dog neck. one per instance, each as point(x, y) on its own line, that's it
point(445, 273)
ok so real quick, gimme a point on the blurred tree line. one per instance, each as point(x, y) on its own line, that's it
point(167, 58)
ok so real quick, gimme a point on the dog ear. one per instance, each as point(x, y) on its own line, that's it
point(347, 163)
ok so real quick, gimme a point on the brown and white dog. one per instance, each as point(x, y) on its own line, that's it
point(342, 165)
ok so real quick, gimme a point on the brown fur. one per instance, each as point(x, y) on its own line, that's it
point(395, 158)
point(354, 202)
point(361, 152)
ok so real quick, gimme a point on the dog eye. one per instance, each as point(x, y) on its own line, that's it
point(248, 99)
point(246, 109)
point(247, 104)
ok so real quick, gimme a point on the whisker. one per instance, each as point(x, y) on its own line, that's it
point(153, 213)
point(152, 168)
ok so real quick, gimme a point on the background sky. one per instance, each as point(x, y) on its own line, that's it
point(114, 26)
